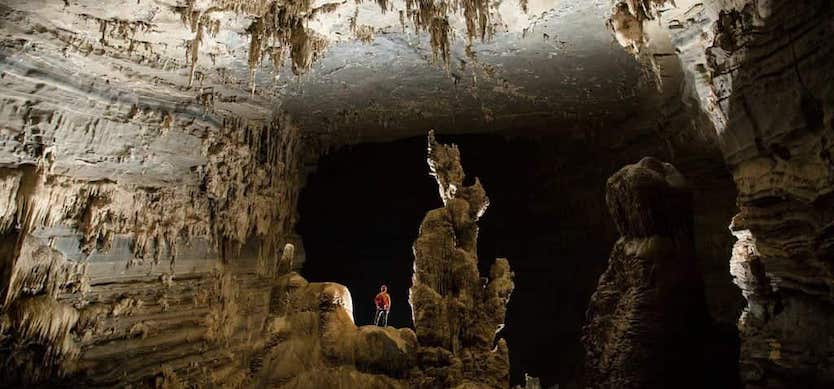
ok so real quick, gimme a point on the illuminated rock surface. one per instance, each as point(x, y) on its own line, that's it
point(152, 155)
point(759, 71)
point(457, 313)
point(312, 342)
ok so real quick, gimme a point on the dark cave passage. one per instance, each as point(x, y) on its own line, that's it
point(362, 207)
point(210, 194)
point(361, 210)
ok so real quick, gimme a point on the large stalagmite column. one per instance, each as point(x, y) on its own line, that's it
point(457, 313)
point(648, 313)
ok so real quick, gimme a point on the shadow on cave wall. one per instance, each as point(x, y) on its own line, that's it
point(362, 207)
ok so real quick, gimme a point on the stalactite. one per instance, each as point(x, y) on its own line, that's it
point(43, 319)
point(283, 25)
point(35, 327)
point(256, 33)
point(627, 23)
point(439, 31)
point(364, 33)
point(194, 48)
point(248, 183)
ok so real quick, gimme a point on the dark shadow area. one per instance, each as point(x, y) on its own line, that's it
point(362, 207)
point(360, 212)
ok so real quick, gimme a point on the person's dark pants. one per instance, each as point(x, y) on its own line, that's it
point(381, 315)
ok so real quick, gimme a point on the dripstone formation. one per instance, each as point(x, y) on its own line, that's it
point(311, 341)
point(648, 311)
point(457, 313)
point(760, 71)
point(102, 274)
point(149, 176)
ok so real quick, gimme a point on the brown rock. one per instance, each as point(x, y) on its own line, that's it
point(647, 315)
point(456, 313)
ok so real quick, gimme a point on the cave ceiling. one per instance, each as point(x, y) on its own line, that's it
point(363, 68)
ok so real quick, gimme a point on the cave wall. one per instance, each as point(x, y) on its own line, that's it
point(772, 97)
point(192, 322)
point(140, 217)
point(108, 280)
point(760, 71)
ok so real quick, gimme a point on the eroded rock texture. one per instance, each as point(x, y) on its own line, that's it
point(457, 313)
point(312, 342)
point(78, 324)
point(136, 238)
point(782, 164)
point(760, 72)
point(139, 215)
point(648, 314)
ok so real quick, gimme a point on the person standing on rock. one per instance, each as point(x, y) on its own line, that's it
point(383, 305)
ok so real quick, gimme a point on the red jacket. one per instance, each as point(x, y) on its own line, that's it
point(382, 301)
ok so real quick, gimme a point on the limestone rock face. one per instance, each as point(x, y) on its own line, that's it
point(146, 266)
point(781, 158)
point(760, 71)
point(648, 311)
point(457, 313)
point(312, 342)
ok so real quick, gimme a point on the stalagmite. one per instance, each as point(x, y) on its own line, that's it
point(312, 341)
point(740, 58)
point(152, 172)
point(285, 264)
point(457, 313)
point(647, 315)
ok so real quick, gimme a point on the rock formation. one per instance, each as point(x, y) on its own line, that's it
point(309, 338)
point(149, 178)
point(783, 167)
point(311, 342)
point(647, 316)
point(144, 267)
point(759, 71)
point(245, 322)
point(457, 313)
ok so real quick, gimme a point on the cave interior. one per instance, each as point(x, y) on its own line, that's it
point(601, 194)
